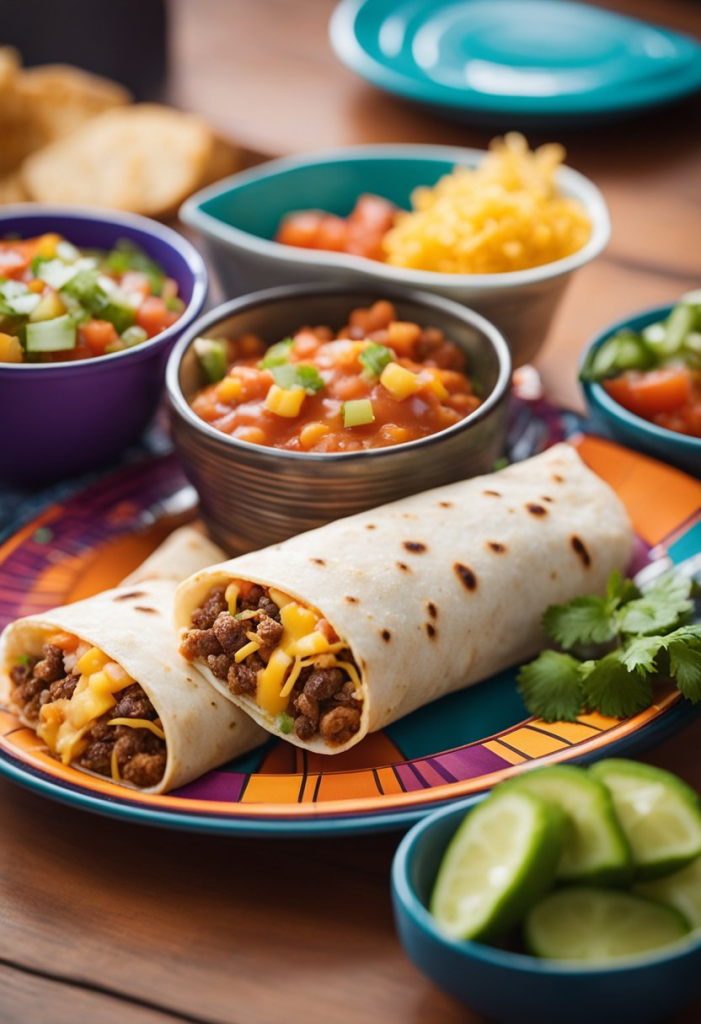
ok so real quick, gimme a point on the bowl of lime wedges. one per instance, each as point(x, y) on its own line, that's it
point(566, 895)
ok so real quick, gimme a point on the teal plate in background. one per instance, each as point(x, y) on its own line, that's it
point(529, 63)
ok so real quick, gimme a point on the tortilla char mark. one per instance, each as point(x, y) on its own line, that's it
point(281, 654)
point(416, 547)
point(466, 576)
point(580, 549)
point(536, 510)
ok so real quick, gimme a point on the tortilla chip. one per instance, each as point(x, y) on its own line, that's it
point(226, 159)
point(144, 158)
point(12, 190)
point(60, 98)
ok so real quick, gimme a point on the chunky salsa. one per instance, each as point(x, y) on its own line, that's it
point(656, 373)
point(378, 382)
point(60, 303)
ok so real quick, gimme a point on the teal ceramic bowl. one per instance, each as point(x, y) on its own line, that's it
point(612, 420)
point(512, 988)
point(239, 216)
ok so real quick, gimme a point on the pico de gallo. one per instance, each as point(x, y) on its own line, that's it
point(377, 382)
point(656, 373)
point(59, 303)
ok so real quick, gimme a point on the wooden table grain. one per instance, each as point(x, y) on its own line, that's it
point(112, 922)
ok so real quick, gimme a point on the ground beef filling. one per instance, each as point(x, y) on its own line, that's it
point(322, 702)
point(140, 754)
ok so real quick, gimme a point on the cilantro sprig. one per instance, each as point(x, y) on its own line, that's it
point(374, 358)
point(618, 647)
point(277, 355)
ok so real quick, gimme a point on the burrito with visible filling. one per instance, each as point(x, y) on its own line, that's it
point(102, 684)
point(340, 631)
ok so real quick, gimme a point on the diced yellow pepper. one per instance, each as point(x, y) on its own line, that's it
point(433, 382)
point(46, 245)
point(312, 433)
point(11, 350)
point(249, 648)
point(90, 705)
point(93, 660)
point(48, 307)
point(400, 382)
point(285, 403)
point(230, 389)
point(312, 643)
point(270, 682)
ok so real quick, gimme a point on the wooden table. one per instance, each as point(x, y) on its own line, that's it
point(109, 922)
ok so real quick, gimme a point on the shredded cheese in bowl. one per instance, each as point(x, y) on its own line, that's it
point(506, 214)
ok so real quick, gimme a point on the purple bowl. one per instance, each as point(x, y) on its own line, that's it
point(60, 419)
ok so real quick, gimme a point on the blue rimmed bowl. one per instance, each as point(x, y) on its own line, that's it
point(67, 418)
point(623, 426)
point(512, 988)
point(239, 216)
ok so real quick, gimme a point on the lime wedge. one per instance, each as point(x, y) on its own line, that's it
point(500, 861)
point(599, 924)
point(596, 850)
point(681, 890)
point(660, 815)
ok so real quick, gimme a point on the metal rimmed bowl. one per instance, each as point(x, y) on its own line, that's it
point(60, 419)
point(252, 495)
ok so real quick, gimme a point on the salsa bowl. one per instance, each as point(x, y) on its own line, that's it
point(621, 425)
point(239, 216)
point(252, 495)
point(514, 988)
point(60, 419)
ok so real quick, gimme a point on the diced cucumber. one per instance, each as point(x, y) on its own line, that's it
point(681, 320)
point(212, 356)
point(660, 815)
point(134, 336)
point(599, 925)
point(358, 412)
point(596, 850)
point(55, 335)
point(624, 351)
point(120, 314)
point(24, 305)
point(56, 273)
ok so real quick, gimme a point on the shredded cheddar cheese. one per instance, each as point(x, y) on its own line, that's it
point(139, 723)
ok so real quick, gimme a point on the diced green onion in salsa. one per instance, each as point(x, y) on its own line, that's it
point(58, 302)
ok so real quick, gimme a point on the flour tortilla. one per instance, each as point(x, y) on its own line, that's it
point(132, 624)
point(185, 551)
point(443, 589)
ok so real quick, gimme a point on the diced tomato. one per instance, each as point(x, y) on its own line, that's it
point(300, 229)
point(97, 335)
point(154, 316)
point(652, 393)
point(333, 234)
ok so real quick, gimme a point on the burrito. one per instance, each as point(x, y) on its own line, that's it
point(101, 683)
point(338, 632)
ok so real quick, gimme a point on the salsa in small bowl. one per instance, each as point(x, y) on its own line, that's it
point(641, 378)
point(376, 382)
point(284, 425)
point(59, 302)
point(70, 405)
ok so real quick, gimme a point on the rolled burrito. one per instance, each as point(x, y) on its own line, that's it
point(102, 683)
point(338, 632)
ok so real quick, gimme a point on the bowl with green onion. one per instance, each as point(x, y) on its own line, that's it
point(256, 489)
point(91, 303)
point(641, 378)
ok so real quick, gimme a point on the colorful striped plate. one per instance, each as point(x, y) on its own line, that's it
point(457, 747)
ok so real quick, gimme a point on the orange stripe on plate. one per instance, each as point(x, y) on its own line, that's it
point(389, 781)
point(574, 732)
point(310, 789)
point(272, 789)
point(509, 755)
point(533, 744)
point(353, 786)
point(635, 479)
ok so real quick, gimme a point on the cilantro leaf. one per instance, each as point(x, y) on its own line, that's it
point(551, 687)
point(615, 691)
point(374, 358)
point(277, 355)
point(661, 608)
point(621, 590)
point(291, 375)
point(640, 653)
point(585, 620)
point(685, 667)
